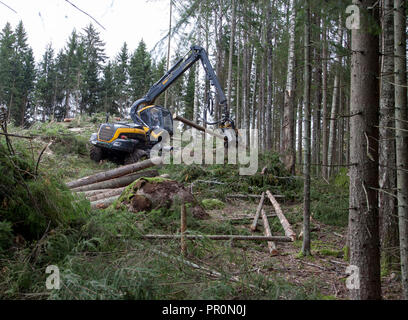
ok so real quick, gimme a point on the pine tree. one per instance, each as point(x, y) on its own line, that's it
point(94, 56)
point(45, 87)
point(140, 72)
point(110, 105)
point(7, 43)
point(121, 78)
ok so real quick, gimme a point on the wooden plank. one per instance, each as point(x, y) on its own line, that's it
point(284, 222)
point(258, 212)
point(268, 233)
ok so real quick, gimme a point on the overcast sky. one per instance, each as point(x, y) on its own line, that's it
point(48, 21)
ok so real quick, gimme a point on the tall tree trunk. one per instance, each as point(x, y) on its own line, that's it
point(325, 115)
point(288, 154)
point(231, 53)
point(306, 170)
point(335, 104)
point(318, 102)
point(300, 133)
point(269, 35)
point(363, 212)
point(387, 174)
point(401, 125)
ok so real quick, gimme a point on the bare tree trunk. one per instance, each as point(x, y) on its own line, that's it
point(324, 104)
point(269, 35)
point(288, 154)
point(387, 174)
point(318, 102)
point(231, 51)
point(306, 186)
point(363, 212)
point(335, 104)
point(300, 133)
point(401, 124)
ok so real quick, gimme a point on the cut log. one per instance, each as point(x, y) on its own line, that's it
point(284, 222)
point(117, 182)
point(115, 173)
point(109, 194)
point(104, 203)
point(268, 233)
point(92, 193)
point(69, 119)
point(238, 196)
point(258, 212)
point(198, 127)
point(218, 237)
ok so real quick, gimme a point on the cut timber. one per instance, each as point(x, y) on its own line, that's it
point(92, 193)
point(198, 127)
point(111, 174)
point(117, 182)
point(109, 194)
point(68, 119)
point(258, 212)
point(238, 196)
point(268, 233)
point(104, 203)
point(219, 237)
point(284, 222)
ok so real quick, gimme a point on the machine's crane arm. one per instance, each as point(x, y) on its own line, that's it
point(196, 53)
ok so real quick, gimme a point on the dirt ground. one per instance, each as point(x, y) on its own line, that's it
point(326, 271)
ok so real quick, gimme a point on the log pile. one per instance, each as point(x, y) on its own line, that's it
point(102, 189)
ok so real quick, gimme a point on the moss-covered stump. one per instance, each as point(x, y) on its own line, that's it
point(146, 194)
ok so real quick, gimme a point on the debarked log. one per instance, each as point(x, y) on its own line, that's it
point(104, 203)
point(117, 182)
point(115, 173)
point(198, 127)
point(218, 237)
point(284, 222)
point(109, 194)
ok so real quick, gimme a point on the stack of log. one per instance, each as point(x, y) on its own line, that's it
point(103, 188)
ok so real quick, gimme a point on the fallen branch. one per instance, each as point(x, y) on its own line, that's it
point(284, 222)
point(17, 136)
point(258, 212)
point(115, 173)
point(116, 182)
point(217, 237)
point(39, 157)
point(268, 233)
point(207, 271)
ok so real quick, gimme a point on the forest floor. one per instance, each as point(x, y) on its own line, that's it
point(325, 269)
point(104, 257)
